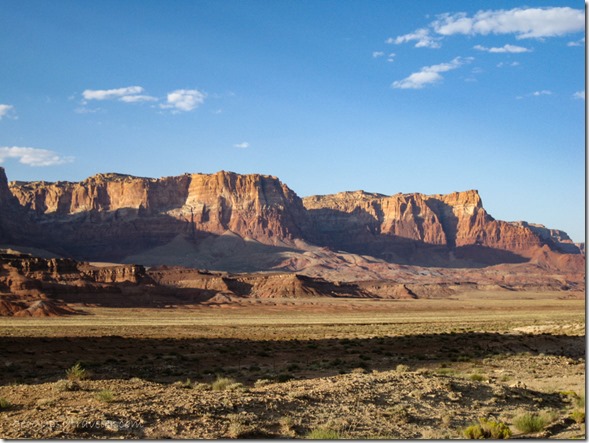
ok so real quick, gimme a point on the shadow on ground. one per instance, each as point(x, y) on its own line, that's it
point(44, 359)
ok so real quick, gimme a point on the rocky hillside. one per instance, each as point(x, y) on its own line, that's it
point(235, 222)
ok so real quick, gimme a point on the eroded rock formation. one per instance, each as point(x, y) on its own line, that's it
point(255, 222)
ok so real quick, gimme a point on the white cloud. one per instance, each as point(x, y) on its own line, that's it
point(377, 54)
point(6, 110)
point(184, 100)
point(580, 42)
point(422, 37)
point(111, 94)
point(391, 57)
point(579, 95)
point(501, 64)
point(512, 49)
point(523, 22)
point(242, 145)
point(33, 156)
point(429, 74)
point(138, 98)
point(543, 92)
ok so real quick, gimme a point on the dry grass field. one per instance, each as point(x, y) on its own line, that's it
point(496, 363)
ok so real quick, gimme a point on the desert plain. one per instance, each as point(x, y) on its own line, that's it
point(300, 368)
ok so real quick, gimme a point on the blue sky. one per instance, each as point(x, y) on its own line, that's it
point(385, 96)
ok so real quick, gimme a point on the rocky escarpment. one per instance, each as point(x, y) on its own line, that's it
point(111, 216)
point(255, 222)
point(434, 228)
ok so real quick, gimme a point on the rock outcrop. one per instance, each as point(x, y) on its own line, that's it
point(234, 222)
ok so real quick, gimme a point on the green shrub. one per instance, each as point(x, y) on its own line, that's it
point(105, 396)
point(487, 429)
point(4, 404)
point(530, 422)
point(477, 377)
point(76, 372)
point(323, 434)
point(579, 416)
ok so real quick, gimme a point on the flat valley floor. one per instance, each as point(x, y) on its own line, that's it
point(304, 368)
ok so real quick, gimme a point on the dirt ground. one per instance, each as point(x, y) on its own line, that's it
point(361, 369)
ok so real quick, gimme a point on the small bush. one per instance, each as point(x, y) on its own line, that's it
point(262, 382)
point(579, 416)
point(530, 422)
point(487, 429)
point(76, 372)
point(221, 383)
point(402, 368)
point(4, 404)
point(105, 396)
point(187, 384)
point(323, 434)
point(477, 377)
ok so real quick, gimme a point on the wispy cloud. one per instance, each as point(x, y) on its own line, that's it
point(535, 94)
point(421, 37)
point(6, 111)
point(512, 49)
point(502, 64)
point(580, 42)
point(429, 74)
point(122, 94)
point(184, 100)
point(523, 22)
point(242, 145)
point(138, 98)
point(579, 95)
point(520, 22)
point(377, 54)
point(33, 156)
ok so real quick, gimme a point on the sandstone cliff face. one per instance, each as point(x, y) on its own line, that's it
point(356, 220)
point(109, 217)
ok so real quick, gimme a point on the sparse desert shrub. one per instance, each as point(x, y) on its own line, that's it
point(106, 396)
point(225, 384)
point(530, 422)
point(222, 383)
point(186, 384)
point(402, 368)
point(262, 382)
point(358, 371)
point(4, 404)
point(76, 372)
point(477, 377)
point(323, 433)
point(67, 385)
point(579, 416)
point(495, 430)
